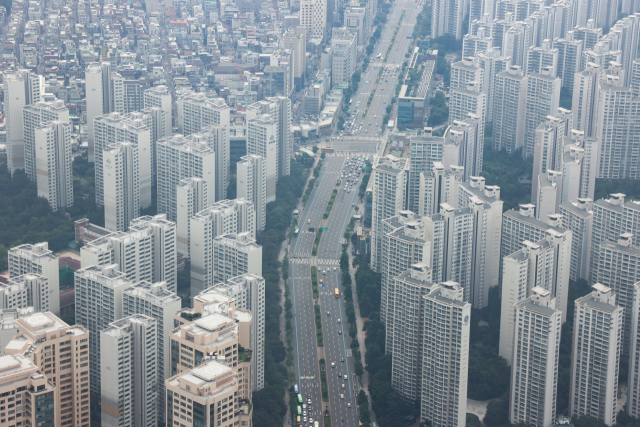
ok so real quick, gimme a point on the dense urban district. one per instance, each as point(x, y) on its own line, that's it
point(313, 213)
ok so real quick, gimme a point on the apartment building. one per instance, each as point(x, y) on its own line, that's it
point(192, 196)
point(129, 368)
point(181, 157)
point(595, 360)
point(389, 197)
point(54, 176)
point(445, 356)
point(157, 302)
point(28, 258)
point(534, 371)
point(252, 185)
point(98, 303)
point(61, 353)
point(406, 313)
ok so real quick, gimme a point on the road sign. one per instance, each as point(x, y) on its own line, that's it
point(324, 228)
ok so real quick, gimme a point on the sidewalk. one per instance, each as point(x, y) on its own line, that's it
point(364, 382)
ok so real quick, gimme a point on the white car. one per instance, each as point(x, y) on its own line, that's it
point(342, 396)
point(333, 365)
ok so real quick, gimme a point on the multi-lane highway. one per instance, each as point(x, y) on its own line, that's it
point(304, 329)
point(364, 133)
point(336, 349)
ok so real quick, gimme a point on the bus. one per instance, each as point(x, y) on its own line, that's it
point(295, 233)
point(327, 150)
point(299, 410)
point(295, 387)
point(299, 398)
point(337, 293)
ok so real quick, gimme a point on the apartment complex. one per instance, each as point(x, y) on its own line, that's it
point(129, 368)
point(61, 353)
point(28, 258)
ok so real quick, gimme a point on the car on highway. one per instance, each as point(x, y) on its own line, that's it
point(333, 365)
point(338, 320)
point(341, 397)
point(348, 405)
point(339, 331)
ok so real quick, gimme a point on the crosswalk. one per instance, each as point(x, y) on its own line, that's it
point(328, 261)
point(299, 260)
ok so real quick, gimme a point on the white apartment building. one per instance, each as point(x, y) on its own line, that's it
point(262, 141)
point(534, 371)
point(537, 58)
point(633, 381)
point(8, 326)
point(464, 146)
point(144, 253)
point(569, 55)
point(468, 103)
point(611, 218)
point(252, 185)
point(603, 13)
point(163, 248)
point(196, 111)
point(579, 167)
point(451, 233)
point(235, 254)
point(618, 267)
point(521, 225)
point(296, 41)
point(466, 71)
point(423, 151)
point(97, 89)
point(484, 199)
point(492, 62)
point(617, 115)
point(389, 197)
point(222, 218)
point(192, 196)
point(129, 368)
point(53, 164)
point(543, 99)
point(447, 17)
point(313, 16)
point(98, 303)
point(278, 108)
point(28, 290)
point(27, 258)
point(157, 302)
point(578, 217)
point(134, 128)
point(438, 186)
point(445, 356)
point(543, 264)
point(343, 56)
point(160, 97)
point(595, 361)
point(402, 247)
point(549, 193)
point(584, 104)
point(509, 100)
point(248, 291)
point(180, 157)
point(405, 313)
point(550, 139)
point(121, 180)
point(33, 116)
point(21, 88)
point(476, 43)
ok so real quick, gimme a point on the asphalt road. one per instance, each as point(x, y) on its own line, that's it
point(336, 344)
point(366, 132)
point(304, 330)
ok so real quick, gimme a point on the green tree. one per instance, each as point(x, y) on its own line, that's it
point(497, 412)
